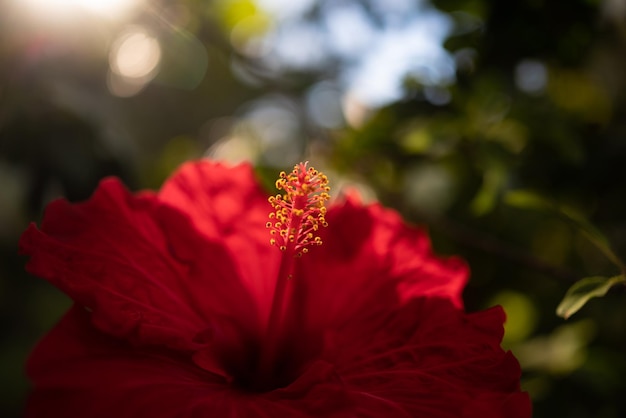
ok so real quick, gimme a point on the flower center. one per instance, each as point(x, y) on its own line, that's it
point(298, 214)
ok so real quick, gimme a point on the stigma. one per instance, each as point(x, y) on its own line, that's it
point(299, 211)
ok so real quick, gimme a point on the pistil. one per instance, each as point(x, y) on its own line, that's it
point(298, 214)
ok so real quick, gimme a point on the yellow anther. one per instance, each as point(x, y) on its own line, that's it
point(300, 210)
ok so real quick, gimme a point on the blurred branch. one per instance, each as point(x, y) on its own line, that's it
point(481, 241)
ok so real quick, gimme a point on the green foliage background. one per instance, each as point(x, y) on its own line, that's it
point(451, 166)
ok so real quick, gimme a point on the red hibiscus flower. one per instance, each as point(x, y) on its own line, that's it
point(184, 309)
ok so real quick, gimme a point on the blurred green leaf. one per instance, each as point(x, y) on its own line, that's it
point(583, 290)
point(521, 314)
point(525, 199)
point(485, 199)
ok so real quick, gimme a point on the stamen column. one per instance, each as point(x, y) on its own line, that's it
point(297, 216)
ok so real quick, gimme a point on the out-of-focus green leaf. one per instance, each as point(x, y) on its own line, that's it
point(583, 290)
point(521, 314)
point(417, 141)
point(233, 12)
point(485, 199)
point(525, 199)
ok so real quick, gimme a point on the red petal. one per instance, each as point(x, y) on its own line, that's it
point(430, 359)
point(515, 405)
point(79, 372)
point(139, 266)
point(228, 205)
point(369, 263)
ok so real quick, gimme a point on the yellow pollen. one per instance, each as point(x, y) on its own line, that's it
point(300, 210)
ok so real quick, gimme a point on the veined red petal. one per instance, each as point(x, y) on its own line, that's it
point(227, 204)
point(430, 359)
point(370, 263)
point(139, 266)
point(80, 372)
